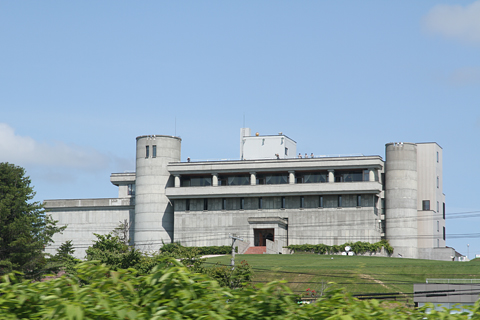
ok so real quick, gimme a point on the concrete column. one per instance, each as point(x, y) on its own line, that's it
point(154, 218)
point(371, 174)
point(253, 178)
point(401, 198)
point(291, 177)
point(177, 180)
point(331, 177)
point(215, 179)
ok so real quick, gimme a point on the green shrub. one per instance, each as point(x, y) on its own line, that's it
point(98, 292)
point(358, 247)
point(202, 251)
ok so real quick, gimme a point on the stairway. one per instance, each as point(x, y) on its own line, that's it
point(256, 250)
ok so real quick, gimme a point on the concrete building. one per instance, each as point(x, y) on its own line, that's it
point(270, 196)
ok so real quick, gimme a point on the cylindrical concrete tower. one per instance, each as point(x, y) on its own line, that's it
point(153, 211)
point(401, 198)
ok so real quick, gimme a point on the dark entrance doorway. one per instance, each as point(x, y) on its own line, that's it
point(260, 236)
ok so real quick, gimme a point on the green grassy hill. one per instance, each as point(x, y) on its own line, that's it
point(354, 273)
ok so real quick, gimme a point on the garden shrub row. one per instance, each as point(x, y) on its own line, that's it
point(357, 247)
point(202, 251)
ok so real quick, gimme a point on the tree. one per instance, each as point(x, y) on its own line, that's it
point(25, 228)
point(63, 260)
point(112, 251)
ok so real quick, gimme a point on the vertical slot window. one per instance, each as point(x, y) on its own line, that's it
point(359, 200)
point(154, 151)
point(444, 235)
point(224, 204)
point(339, 202)
point(260, 203)
point(320, 201)
point(438, 182)
point(444, 211)
point(283, 203)
point(242, 203)
point(302, 202)
point(187, 205)
point(205, 204)
point(147, 152)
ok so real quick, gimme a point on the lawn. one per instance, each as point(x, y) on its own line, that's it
point(356, 274)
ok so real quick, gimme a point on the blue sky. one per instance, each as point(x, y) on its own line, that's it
point(80, 80)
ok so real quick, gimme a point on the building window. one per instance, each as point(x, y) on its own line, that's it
point(263, 142)
point(154, 151)
point(444, 235)
point(320, 201)
point(187, 205)
point(438, 226)
point(242, 203)
point(444, 211)
point(286, 151)
point(366, 175)
point(260, 203)
point(382, 204)
point(359, 200)
point(426, 205)
point(438, 207)
point(438, 182)
point(438, 243)
point(339, 201)
point(283, 203)
point(205, 204)
point(438, 157)
point(147, 151)
point(224, 204)
point(302, 202)
point(131, 189)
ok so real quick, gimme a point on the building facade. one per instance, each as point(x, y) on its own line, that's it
point(270, 194)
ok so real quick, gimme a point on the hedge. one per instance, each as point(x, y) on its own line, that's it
point(357, 247)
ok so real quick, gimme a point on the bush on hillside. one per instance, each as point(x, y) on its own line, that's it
point(357, 247)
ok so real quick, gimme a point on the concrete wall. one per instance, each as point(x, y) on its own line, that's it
point(329, 225)
point(442, 254)
point(429, 168)
point(85, 217)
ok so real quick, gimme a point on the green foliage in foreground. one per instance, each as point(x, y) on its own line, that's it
point(357, 247)
point(177, 293)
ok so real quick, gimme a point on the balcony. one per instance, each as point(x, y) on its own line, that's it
point(363, 187)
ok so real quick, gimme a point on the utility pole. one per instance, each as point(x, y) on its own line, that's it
point(232, 262)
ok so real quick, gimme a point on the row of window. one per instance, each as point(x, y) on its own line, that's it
point(280, 202)
point(280, 178)
point(154, 151)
